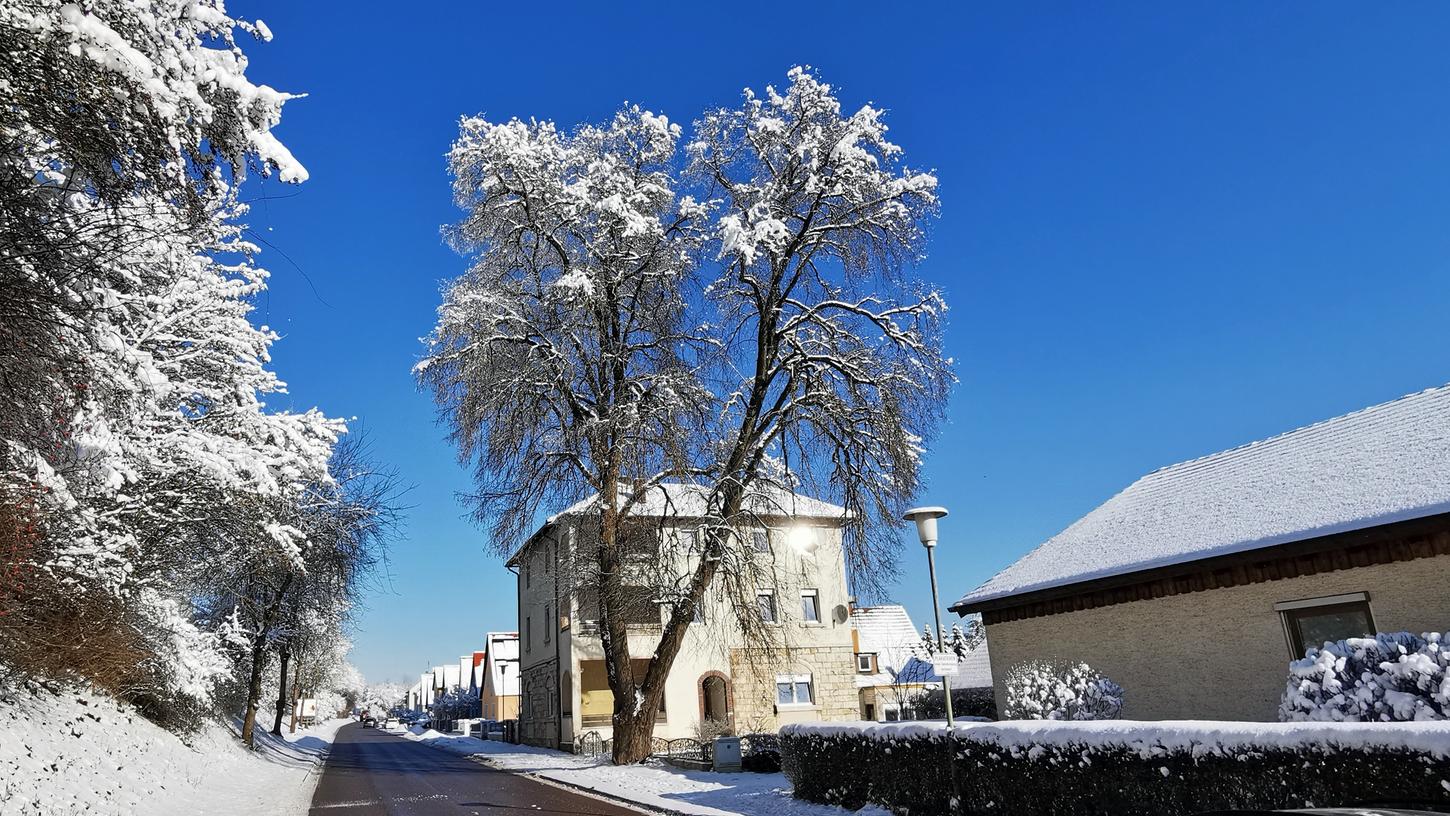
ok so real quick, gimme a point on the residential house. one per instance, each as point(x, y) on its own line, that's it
point(499, 697)
point(893, 669)
point(792, 554)
point(1194, 587)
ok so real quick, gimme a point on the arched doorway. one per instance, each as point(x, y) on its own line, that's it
point(715, 698)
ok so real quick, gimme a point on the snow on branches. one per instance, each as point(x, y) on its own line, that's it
point(735, 315)
point(1047, 690)
point(136, 442)
point(1391, 677)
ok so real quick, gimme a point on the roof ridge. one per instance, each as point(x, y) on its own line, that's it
point(1291, 432)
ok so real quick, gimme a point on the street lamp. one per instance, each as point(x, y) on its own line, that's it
point(925, 518)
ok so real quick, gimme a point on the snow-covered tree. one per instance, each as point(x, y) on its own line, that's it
point(139, 463)
point(961, 641)
point(735, 315)
point(456, 703)
point(384, 698)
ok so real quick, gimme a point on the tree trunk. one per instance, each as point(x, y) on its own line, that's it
point(254, 689)
point(634, 714)
point(286, 654)
point(296, 692)
point(259, 652)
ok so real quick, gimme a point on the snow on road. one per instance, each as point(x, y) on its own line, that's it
point(75, 751)
point(654, 785)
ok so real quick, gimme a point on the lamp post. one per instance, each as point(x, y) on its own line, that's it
point(925, 518)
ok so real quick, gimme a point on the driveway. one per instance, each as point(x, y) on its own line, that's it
point(372, 773)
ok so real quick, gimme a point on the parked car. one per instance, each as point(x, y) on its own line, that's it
point(368, 721)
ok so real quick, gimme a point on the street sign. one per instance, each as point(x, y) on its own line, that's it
point(945, 666)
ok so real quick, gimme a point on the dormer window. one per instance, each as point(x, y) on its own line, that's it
point(865, 663)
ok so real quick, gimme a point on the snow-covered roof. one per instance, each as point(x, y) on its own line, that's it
point(688, 501)
point(887, 632)
point(884, 629)
point(503, 648)
point(1387, 463)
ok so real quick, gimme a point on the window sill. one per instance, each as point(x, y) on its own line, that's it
point(811, 624)
point(797, 707)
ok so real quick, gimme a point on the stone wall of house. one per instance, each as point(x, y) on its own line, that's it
point(538, 709)
point(833, 675)
point(1218, 654)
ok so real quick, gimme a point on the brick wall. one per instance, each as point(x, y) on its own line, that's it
point(833, 676)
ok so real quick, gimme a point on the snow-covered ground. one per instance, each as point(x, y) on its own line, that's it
point(654, 785)
point(81, 752)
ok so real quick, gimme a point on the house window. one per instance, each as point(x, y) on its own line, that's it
point(529, 633)
point(765, 601)
point(863, 663)
point(793, 690)
point(810, 606)
point(1314, 621)
point(760, 541)
point(548, 630)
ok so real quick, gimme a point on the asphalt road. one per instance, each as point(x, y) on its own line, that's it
point(373, 773)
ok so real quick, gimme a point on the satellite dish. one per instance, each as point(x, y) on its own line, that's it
point(840, 613)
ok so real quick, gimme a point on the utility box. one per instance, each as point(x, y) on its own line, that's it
point(727, 754)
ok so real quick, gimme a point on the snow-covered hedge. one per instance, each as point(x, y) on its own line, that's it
point(1043, 768)
point(1389, 677)
point(1043, 690)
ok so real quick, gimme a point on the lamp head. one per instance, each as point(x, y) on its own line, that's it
point(925, 518)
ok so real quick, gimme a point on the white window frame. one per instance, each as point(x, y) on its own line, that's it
point(815, 596)
point(795, 681)
point(1286, 608)
point(863, 663)
point(774, 607)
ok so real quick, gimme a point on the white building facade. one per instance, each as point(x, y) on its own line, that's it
point(718, 681)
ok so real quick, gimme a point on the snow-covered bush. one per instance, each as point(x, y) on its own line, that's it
point(1389, 677)
point(1045, 690)
point(1123, 768)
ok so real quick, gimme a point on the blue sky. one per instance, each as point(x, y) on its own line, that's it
point(1166, 229)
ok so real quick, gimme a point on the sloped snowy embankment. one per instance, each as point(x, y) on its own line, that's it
point(81, 752)
point(653, 785)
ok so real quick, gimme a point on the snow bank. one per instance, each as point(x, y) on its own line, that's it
point(75, 751)
point(1150, 737)
point(653, 785)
